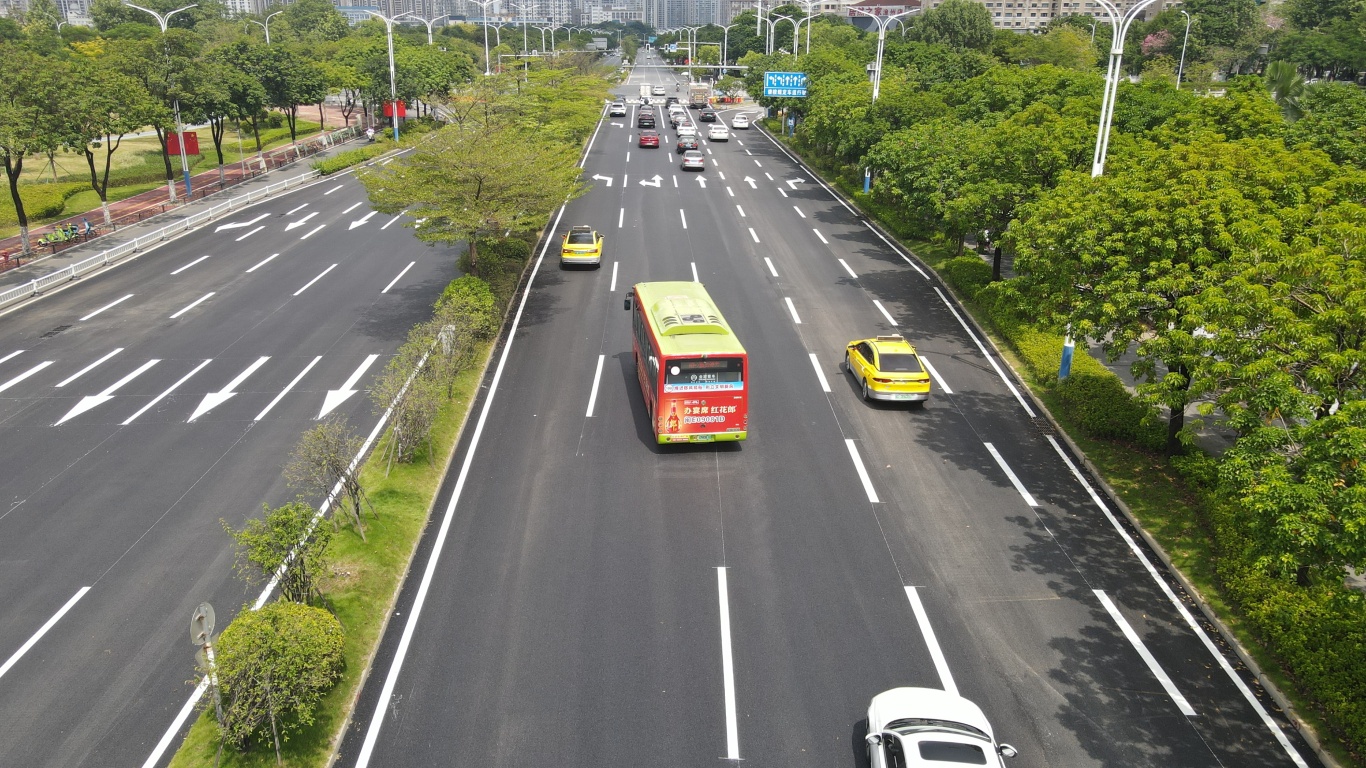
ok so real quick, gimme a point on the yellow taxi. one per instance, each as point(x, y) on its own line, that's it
point(581, 245)
point(888, 368)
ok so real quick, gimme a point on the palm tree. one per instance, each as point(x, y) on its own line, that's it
point(1286, 86)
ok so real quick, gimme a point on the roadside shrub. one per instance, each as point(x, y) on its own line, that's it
point(350, 157)
point(469, 302)
point(41, 201)
point(1103, 408)
point(968, 275)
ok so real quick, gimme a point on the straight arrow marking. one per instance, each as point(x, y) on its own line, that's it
point(240, 224)
point(336, 397)
point(300, 222)
point(751, 183)
point(91, 401)
point(361, 221)
point(215, 399)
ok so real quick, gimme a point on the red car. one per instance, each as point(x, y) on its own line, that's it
point(649, 139)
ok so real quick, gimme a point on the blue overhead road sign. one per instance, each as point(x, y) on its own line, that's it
point(785, 84)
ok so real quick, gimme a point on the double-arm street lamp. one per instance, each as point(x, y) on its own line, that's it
point(521, 16)
point(266, 24)
point(882, 23)
point(773, 21)
point(163, 20)
point(393, 79)
point(424, 21)
point(484, 4)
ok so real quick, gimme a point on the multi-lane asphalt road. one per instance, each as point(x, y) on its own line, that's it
point(139, 407)
point(587, 598)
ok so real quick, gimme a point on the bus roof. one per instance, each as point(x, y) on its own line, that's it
point(686, 320)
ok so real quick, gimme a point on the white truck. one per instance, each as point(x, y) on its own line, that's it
point(644, 94)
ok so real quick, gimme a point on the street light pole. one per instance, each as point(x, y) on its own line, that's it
point(882, 23)
point(725, 45)
point(1120, 23)
point(179, 129)
point(1182, 66)
point(266, 25)
point(424, 21)
point(484, 4)
point(393, 79)
point(521, 15)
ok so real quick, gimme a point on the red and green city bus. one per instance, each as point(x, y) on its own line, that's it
point(692, 370)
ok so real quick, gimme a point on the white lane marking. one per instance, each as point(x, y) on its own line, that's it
point(822, 237)
point(32, 641)
point(1015, 481)
point(675, 181)
point(25, 374)
point(296, 209)
point(895, 250)
point(937, 378)
point(361, 221)
point(91, 401)
point(621, 218)
point(793, 309)
point(336, 397)
point(334, 189)
point(799, 211)
point(613, 286)
point(862, 471)
point(1145, 654)
point(110, 305)
point(847, 269)
point(214, 399)
point(720, 175)
point(163, 395)
point(761, 165)
point(730, 191)
point(983, 349)
point(753, 234)
point(593, 395)
point(300, 222)
point(87, 369)
point(741, 210)
point(804, 169)
point(683, 217)
point(748, 152)
point(769, 175)
point(709, 150)
point(287, 388)
point(396, 279)
point(628, 155)
point(249, 234)
point(592, 139)
point(782, 191)
point(396, 218)
point(191, 264)
point(1180, 607)
point(352, 208)
point(310, 283)
point(741, 143)
point(771, 270)
point(825, 385)
point(428, 574)
point(941, 665)
point(263, 262)
point(193, 304)
point(728, 668)
point(312, 232)
point(884, 312)
point(18, 352)
point(694, 272)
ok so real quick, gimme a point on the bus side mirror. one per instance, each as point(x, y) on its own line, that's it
point(627, 303)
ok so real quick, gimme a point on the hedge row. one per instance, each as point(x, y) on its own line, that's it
point(41, 201)
point(343, 160)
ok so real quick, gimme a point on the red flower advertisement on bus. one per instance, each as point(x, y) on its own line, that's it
point(694, 415)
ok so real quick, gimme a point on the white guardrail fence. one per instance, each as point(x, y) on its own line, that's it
point(68, 273)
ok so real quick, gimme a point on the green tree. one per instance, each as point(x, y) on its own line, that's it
point(42, 16)
point(326, 458)
point(161, 63)
point(1286, 88)
point(102, 106)
point(32, 114)
point(1062, 46)
point(1334, 121)
point(315, 20)
point(287, 544)
point(956, 23)
point(1224, 22)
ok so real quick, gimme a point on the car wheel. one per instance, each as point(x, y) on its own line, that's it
point(866, 394)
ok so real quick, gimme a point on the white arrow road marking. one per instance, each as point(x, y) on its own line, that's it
point(654, 183)
point(794, 182)
point(163, 395)
point(300, 222)
point(110, 305)
point(361, 221)
point(751, 183)
point(240, 224)
point(600, 177)
point(249, 234)
point(91, 401)
point(336, 397)
point(287, 388)
point(702, 181)
point(191, 264)
point(25, 374)
point(215, 399)
point(618, 125)
point(87, 369)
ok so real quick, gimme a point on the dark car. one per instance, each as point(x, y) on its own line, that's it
point(645, 120)
point(686, 143)
point(649, 139)
point(707, 115)
point(670, 100)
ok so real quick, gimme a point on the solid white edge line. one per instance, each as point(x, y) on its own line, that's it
point(753, 234)
point(1180, 607)
point(310, 283)
point(110, 305)
point(287, 389)
point(86, 369)
point(193, 304)
point(263, 262)
point(825, 385)
point(1014, 480)
point(163, 395)
point(884, 312)
point(728, 668)
point(191, 264)
point(593, 395)
point(1145, 654)
point(410, 627)
point(613, 287)
point(249, 234)
point(896, 250)
point(771, 269)
point(592, 139)
point(851, 273)
point(862, 471)
point(982, 348)
point(400, 277)
point(352, 208)
point(312, 232)
point(32, 641)
point(793, 309)
point(941, 664)
point(937, 378)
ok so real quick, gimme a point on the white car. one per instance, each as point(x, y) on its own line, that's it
point(685, 129)
point(718, 133)
point(658, 90)
point(929, 727)
point(739, 122)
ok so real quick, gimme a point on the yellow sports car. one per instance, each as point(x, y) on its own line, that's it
point(581, 246)
point(888, 369)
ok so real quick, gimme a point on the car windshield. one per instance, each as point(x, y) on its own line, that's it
point(909, 725)
point(899, 363)
point(952, 752)
point(580, 238)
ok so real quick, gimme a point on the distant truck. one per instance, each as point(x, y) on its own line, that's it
point(644, 94)
point(699, 95)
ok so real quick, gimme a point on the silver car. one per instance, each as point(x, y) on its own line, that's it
point(693, 161)
point(927, 726)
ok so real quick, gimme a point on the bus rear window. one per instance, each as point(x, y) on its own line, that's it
point(704, 374)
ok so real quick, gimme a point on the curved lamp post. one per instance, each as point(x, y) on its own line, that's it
point(393, 80)
point(266, 24)
point(1182, 66)
point(163, 20)
point(419, 18)
point(882, 23)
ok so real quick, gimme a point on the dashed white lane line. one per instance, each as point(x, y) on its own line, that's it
point(720, 175)
point(296, 209)
point(825, 385)
point(941, 665)
point(191, 264)
point(847, 269)
point(312, 232)
point(884, 312)
point(110, 305)
point(263, 262)
point(730, 191)
point(983, 349)
point(593, 395)
point(756, 162)
point(87, 369)
point(748, 152)
point(624, 177)
point(396, 218)
point(709, 150)
point(352, 208)
point(1014, 480)
point(1145, 654)
point(822, 237)
point(615, 264)
point(287, 389)
point(25, 375)
point(628, 155)
point(621, 218)
point(193, 304)
point(165, 393)
point(728, 669)
point(771, 270)
point(753, 234)
point(694, 272)
point(862, 471)
point(769, 175)
point(793, 309)
point(32, 641)
point(310, 283)
point(782, 191)
point(799, 211)
point(741, 210)
point(937, 378)
point(18, 352)
point(334, 189)
point(248, 234)
point(683, 217)
point(675, 181)
point(399, 277)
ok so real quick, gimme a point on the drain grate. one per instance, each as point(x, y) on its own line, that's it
point(1044, 426)
point(54, 331)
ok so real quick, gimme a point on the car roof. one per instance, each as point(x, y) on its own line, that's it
point(692, 153)
point(930, 703)
point(891, 344)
